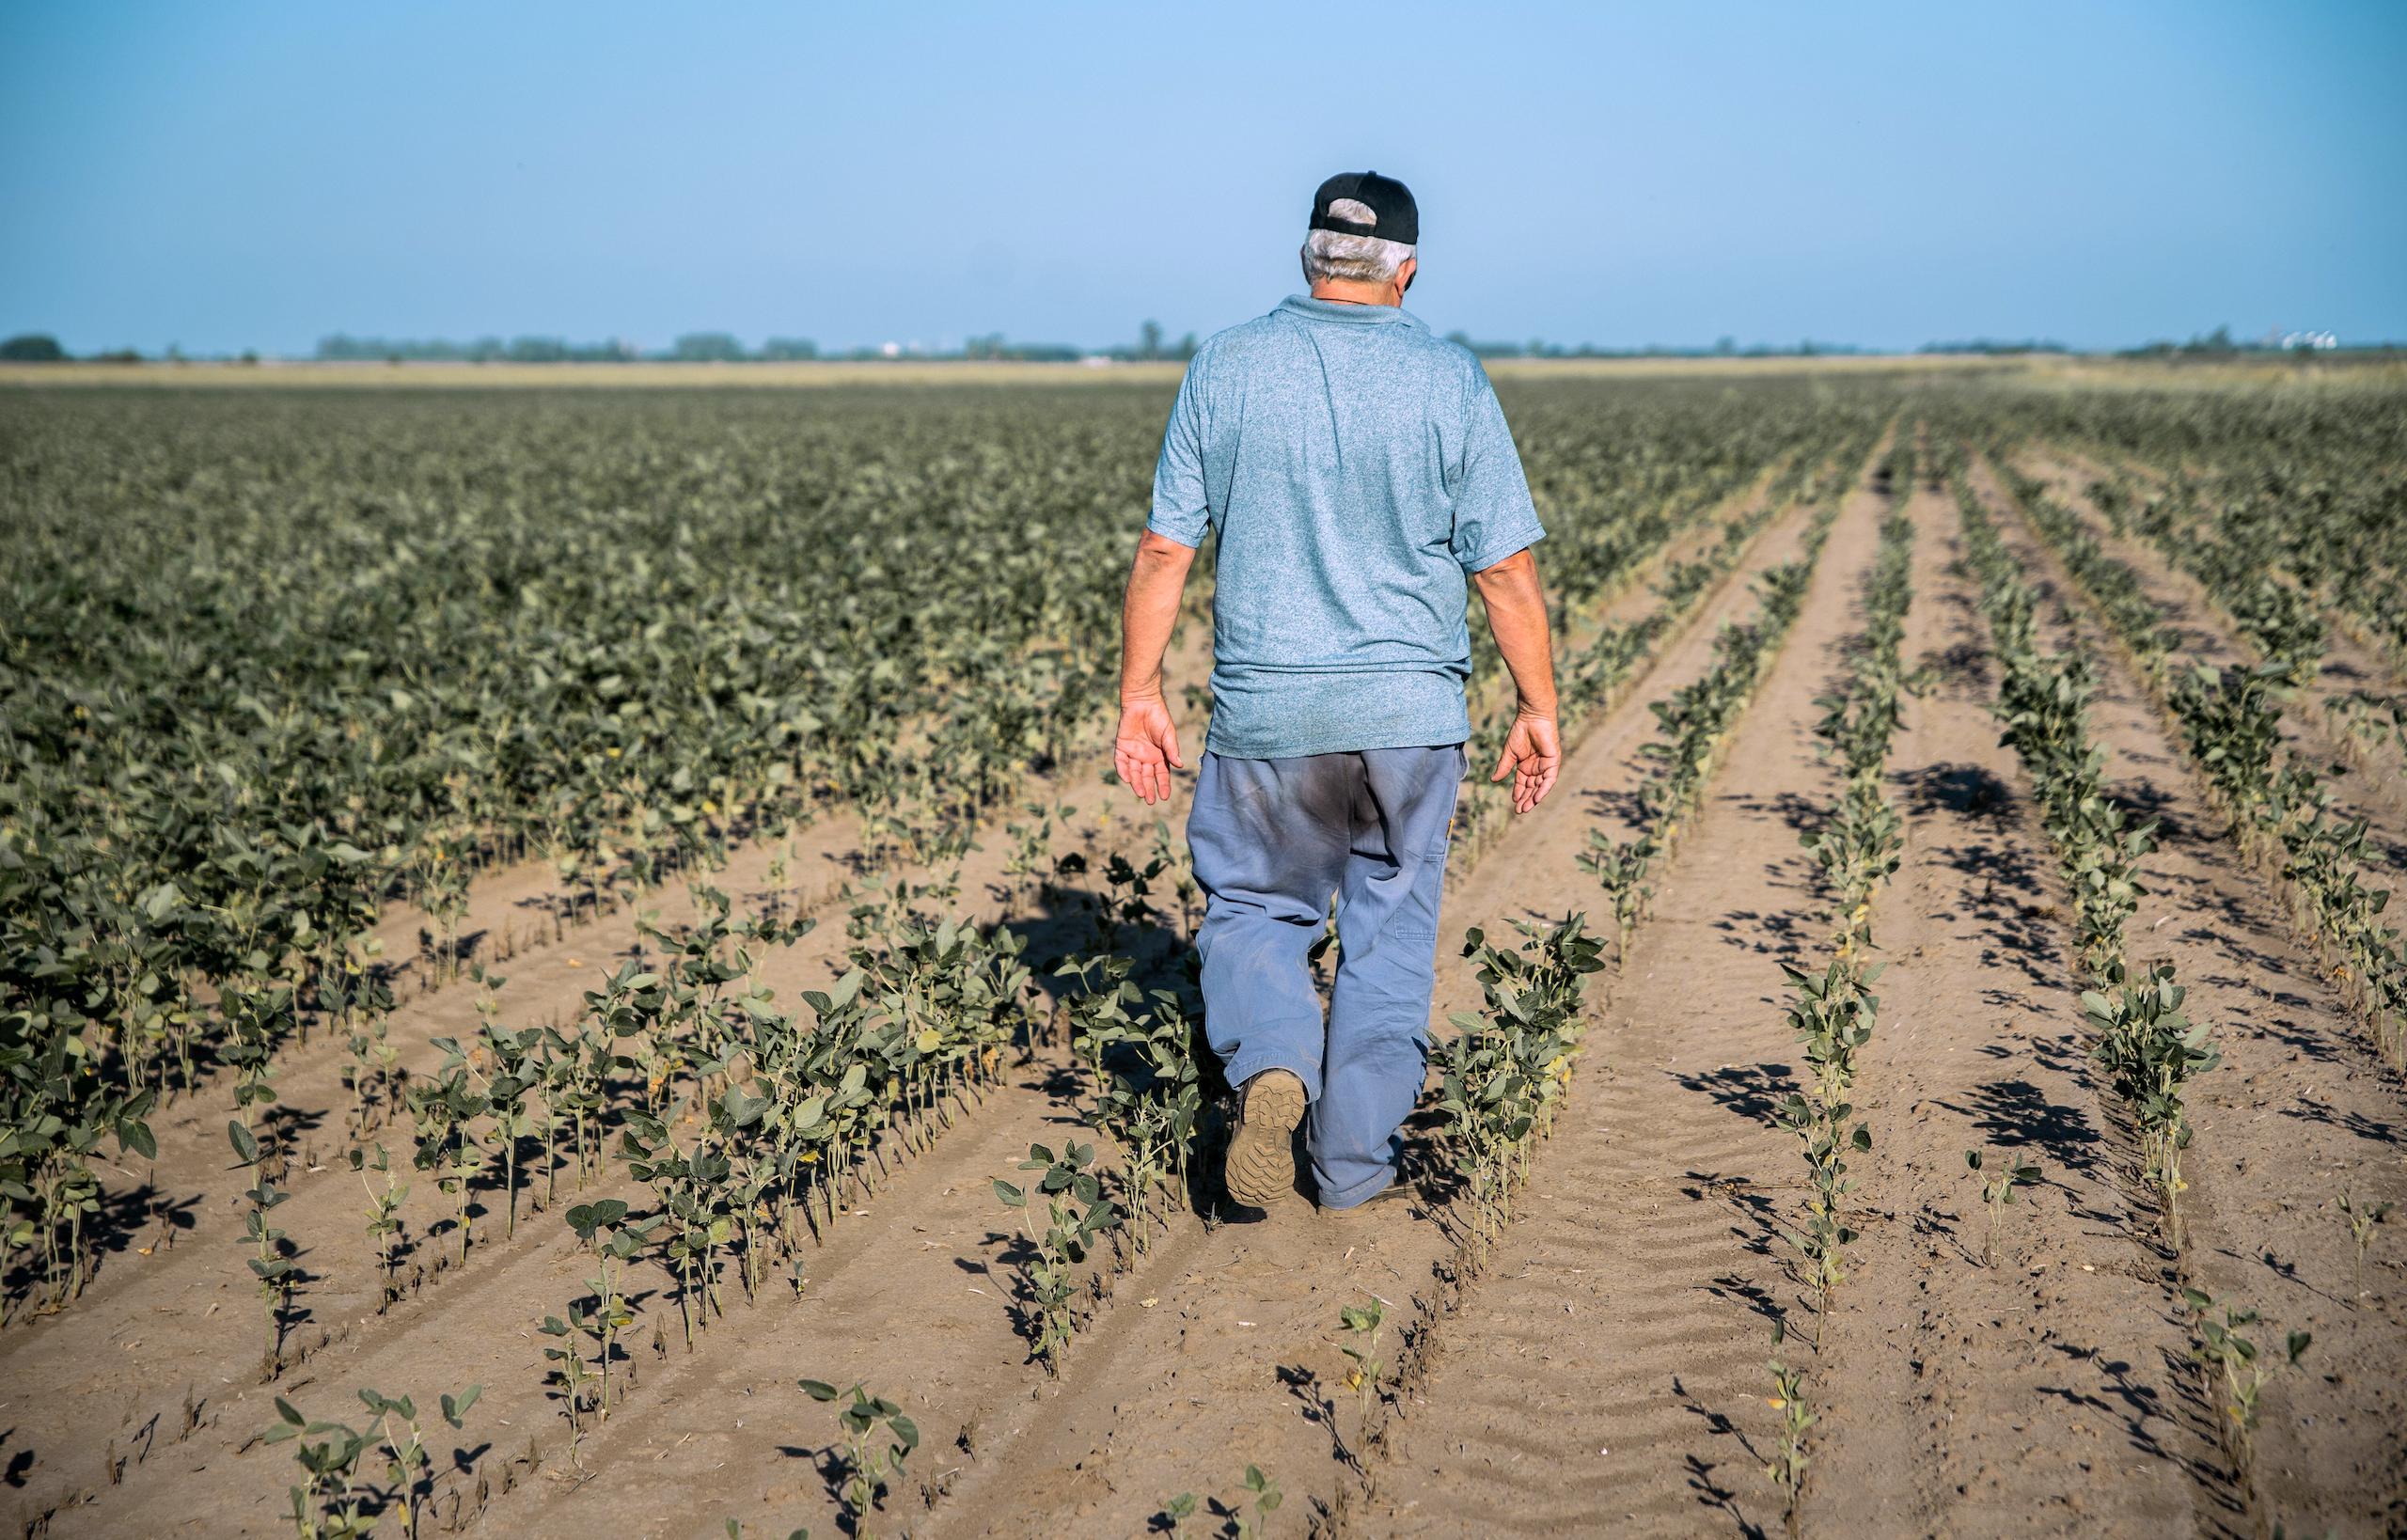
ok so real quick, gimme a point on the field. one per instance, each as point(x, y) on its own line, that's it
point(566, 967)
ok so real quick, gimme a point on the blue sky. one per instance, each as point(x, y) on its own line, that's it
point(260, 173)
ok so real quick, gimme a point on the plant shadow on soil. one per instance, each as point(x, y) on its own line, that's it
point(1318, 1407)
point(2372, 1130)
point(2014, 1114)
point(1800, 813)
point(1752, 1091)
point(1709, 1493)
point(123, 1220)
point(1780, 933)
point(2015, 932)
point(2135, 1406)
point(2287, 1272)
point(1713, 1495)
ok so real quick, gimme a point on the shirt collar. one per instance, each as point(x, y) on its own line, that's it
point(1358, 314)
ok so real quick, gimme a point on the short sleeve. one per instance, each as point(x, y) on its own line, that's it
point(1493, 515)
point(1181, 510)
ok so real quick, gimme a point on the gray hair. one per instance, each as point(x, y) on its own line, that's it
point(1352, 259)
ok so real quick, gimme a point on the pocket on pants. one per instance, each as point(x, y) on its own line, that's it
point(1445, 841)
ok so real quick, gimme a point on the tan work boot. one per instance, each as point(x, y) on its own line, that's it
point(1261, 1165)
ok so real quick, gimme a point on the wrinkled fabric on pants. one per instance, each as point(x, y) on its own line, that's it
point(1274, 841)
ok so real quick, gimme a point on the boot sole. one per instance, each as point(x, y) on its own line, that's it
point(1261, 1166)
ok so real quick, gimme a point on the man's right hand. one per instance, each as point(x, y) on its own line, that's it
point(1533, 757)
point(1145, 749)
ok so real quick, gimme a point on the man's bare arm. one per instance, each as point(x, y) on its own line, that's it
point(1517, 614)
point(1145, 749)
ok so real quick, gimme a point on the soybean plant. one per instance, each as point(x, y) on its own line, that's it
point(2362, 1219)
point(1266, 1497)
point(577, 1383)
point(1621, 869)
point(1149, 1095)
point(1788, 1462)
point(2150, 1050)
point(1076, 1214)
point(277, 1273)
point(336, 1502)
point(1997, 1192)
point(1131, 901)
point(2246, 1370)
point(1833, 1014)
point(872, 1464)
point(517, 1070)
point(1182, 875)
point(691, 1186)
point(1176, 1513)
point(1362, 1325)
point(445, 1109)
point(58, 1115)
point(1822, 1238)
point(574, 1076)
point(373, 1072)
point(611, 1236)
point(1236, 1520)
point(1501, 1076)
point(384, 1218)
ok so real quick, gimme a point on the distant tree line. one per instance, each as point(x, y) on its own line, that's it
point(345, 349)
point(42, 347)
point(1994, 347)
point(1723, 348)
point(32, 349)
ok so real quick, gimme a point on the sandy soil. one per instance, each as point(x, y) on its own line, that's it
point(1604, 1372)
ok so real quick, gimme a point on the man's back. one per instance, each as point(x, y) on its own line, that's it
point(1356, 468)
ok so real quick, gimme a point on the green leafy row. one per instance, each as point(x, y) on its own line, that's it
point(2146, 1046)
point(2231, 721)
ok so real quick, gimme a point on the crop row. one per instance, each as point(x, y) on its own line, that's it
point(2280, 621)
point(2142, 1041)
point(1505, 1072)
point(1814, 473)
point(2147, 1049)
point(2230, 719)
point(1833, 1009)
point(1692, 723)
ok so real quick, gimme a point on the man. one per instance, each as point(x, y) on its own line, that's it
point(1356, 468)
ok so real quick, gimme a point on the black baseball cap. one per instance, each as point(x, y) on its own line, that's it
point(1393, 214)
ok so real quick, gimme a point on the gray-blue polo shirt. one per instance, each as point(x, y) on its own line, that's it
point(1356, 468)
